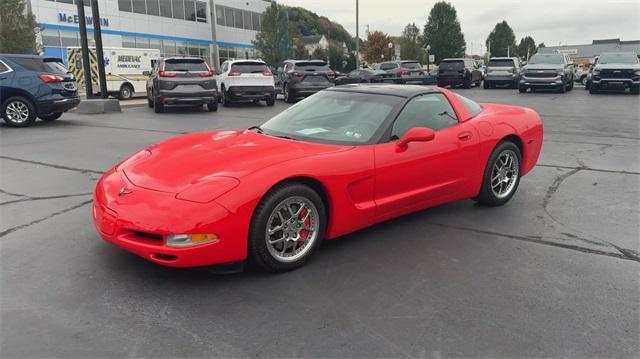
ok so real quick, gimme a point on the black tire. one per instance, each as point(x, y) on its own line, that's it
point(213, 106)
point(26, 109)
point(259, 252)
point(440, 84)
point(635, 89)
point(158, 106)
point(288, 96)
point(225, 97)
point(571, 83)
point(149, 100)
point(593, 88)
point(50, 116)
point(126, 92)
point(487, 196)
point(486, 85)
point(271, 100)
point(522, 89)
point(562, 88)
point(467, 83)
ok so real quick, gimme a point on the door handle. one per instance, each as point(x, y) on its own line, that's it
point(464, 136)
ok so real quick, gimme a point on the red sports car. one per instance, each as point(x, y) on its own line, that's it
point(341, 160)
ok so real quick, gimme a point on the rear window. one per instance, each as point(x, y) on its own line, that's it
point(451, 64)
point(501, 63)
point(249, 67)
point(411, 65)
point(49, 65)
point(191, 65)
point(312, 66)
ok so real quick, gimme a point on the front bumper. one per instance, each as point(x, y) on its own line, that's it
point(617, 82)
point(240, 93)
point(57, 105)
point(541, 81)
point(139, 222)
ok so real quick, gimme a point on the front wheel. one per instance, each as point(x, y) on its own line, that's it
point(486, 85)
point(522, 89)
point(593, 88)
point(126, 92)
point(501, 176)
point(635, 89)
point(51, 116)
point(287, 227)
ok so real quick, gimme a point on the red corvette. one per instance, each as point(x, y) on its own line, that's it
point(341, 160)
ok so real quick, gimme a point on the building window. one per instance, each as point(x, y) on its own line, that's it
point(124, 5)
point(142, 43)
point(220, 15)
point(152, 7)
point(178, 9)
point(139, 7)
point(165, 8)
point(69, 38)
point(128, 41)
point(168, 48)
point(201, 11)
point(256, 21)
point(228, 16)
point(190, 10)
point(181, 48)
point(50, 38)
point(246, 15)
point(241, 19)
point(237, 15)
point(155, 44)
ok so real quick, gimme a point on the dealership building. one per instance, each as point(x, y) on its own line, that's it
point(584, 53)
point(212, 29)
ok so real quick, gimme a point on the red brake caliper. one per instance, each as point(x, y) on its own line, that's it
point(304, 234)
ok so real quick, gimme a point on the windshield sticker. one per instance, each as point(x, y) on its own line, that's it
point(312, 131)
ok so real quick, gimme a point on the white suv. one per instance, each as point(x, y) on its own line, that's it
point(245, 80)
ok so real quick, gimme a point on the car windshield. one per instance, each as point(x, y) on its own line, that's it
point(249, 67)
point(50, 65)
point(451, 64)
point(411, 65)
point(501, 63)
point(618, 58)
point(555, 59)
point(312, 66)
point(334, 117)
point(191, 65)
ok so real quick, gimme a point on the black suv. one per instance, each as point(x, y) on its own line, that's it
point(182, 81)
point(459, 71)
point(34, 86)
point(301, 78)
point(616, 70)
point(547, 71)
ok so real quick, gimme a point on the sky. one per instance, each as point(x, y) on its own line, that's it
point(554, 22)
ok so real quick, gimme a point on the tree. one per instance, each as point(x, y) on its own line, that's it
point(541, 45)
point(300, 52)
point(17, 28)
point(410, 46)
point(376, 49)
point(442, 32)
point(351, 63)
point(336, 57)
point(319, 54)
point(502, 40)
point(273, 40)
point(527, 47)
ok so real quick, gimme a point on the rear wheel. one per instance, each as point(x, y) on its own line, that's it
point(226, 102)
point(51, 116)
point(289, 97)
point(271, 100)
point(158, 106)
point(213, 106)
point(18, 112)
point(501, 176)
point(287, 227)
point(126, 92)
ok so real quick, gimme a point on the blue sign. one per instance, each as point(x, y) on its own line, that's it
point(74, 19)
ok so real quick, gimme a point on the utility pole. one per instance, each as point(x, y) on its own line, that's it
point(508, 55)
point(82, 22)
point(357, 37)
point(97, 35)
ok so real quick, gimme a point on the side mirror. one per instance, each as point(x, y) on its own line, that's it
point(146, 73)
point(416, 134)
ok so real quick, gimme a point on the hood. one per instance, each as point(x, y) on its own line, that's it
point(543, 67)
point(177, 163)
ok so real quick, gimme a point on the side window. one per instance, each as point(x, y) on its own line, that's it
point(354, 73)
point(431, 111)
point(224, 67)
point(473, 107)
point(3, 68)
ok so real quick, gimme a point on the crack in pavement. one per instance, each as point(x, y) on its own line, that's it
point(60, 167)
point(13, 194)
point(555, 186)
point(588, 169)
point(16, 228)
point(26, 198)
point(623, 253)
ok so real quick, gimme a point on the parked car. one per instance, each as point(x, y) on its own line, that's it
point(502, 71)
point(34, 87)
point(407, 72)
point(347, 158)
point(459, 71)
point(364, 76)
point(301, 78)
point(592, 64)
point(580, 74)
point(616, 70)
point(547, 71)
point(182, 81)
point(246, 80)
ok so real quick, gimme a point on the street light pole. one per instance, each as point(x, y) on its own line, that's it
point(82, 23)
point(357, 38)
point(428, 59)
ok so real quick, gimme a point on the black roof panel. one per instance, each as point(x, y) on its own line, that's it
point(387, 89)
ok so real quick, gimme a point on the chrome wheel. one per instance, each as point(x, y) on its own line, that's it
point(292, 229)
point(17, 112)
point(504, 174)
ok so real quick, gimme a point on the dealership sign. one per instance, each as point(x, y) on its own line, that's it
point(75, 19)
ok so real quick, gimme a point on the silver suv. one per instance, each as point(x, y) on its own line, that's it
point(547, 71)
point(502, 71)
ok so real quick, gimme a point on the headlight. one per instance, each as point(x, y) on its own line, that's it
point(560, 72)
point(636, 72)
point(190, 240)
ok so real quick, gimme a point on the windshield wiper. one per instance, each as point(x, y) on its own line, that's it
point(257, 128)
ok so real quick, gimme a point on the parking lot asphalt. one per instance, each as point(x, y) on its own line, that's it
point(555, 272)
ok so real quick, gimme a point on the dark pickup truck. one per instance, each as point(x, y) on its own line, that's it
point(616, 70)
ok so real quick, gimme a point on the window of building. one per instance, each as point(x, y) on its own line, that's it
point(165, 8)
point(178, 9)
point(248, 22)
point(142, 43)
point(237, 21)
point(220, 15)
point(155, 44)
point(201, 11)
point(66, 1)
point(256, 21)
point(125, 5)
point(128, 41)
point(51, 38)
point(69, 38)
point(190, 10)
point(228, 16)
point(168, 48)
point(181, 48)
point(139, 7)
point(194, 49)
point(153, 7)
